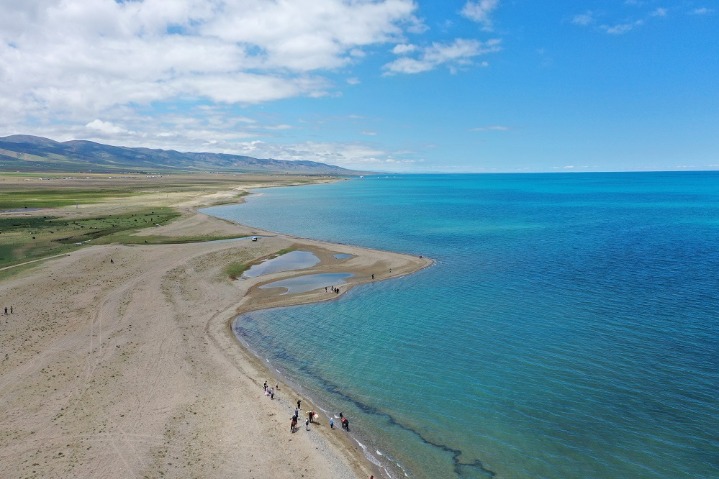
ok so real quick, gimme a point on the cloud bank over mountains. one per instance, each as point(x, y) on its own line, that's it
point(98, 69)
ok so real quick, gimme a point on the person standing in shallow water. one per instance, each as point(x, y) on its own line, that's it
point(298, 404)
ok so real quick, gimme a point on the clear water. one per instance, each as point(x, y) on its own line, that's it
point(569, 329)
point(308, 282)
point(294, 260)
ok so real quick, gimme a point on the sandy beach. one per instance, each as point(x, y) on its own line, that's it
point(119, 361)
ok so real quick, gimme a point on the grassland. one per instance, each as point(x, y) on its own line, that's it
point(42, 215)
point(32, 237)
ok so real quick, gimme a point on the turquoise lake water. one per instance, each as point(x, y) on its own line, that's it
point(569, 328)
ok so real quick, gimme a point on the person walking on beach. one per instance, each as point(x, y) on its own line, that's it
point(298, 404)
point(332, 423)
point(265, 386)
point(307, 424)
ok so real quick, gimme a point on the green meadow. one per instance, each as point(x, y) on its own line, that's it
point(27, 238)
point(70, 220)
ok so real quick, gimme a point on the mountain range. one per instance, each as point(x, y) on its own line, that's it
point(26, 153)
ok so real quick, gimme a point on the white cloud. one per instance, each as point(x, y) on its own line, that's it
point(213, 128)
point(702, 11)
point(76, 59)
point(622, 28)
point(492, 128)
point(358, 156)
point(458, 53)
point(480, 11)
point(583, 19)
point(185, 74)
point(305, 35)
point(104, 127)
point(627, 24)
point(403, 48)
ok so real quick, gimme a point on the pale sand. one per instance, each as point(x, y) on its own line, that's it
point(130, 369)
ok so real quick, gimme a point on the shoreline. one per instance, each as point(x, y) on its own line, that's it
point(351, 444)
point(131, 367)
point(396, 265)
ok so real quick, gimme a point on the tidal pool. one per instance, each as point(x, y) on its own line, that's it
point(291, 261)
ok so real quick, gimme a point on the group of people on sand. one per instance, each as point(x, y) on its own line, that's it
point(332, 289)
point(312, 419)
point(270, 391)
point(343, 421)
point(6, 310)
point(311, 415)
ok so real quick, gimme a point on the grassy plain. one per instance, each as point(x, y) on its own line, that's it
point(43, 215)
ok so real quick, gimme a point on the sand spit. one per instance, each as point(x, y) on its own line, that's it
point(119, 361)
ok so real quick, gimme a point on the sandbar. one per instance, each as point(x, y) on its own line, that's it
point(119, 361)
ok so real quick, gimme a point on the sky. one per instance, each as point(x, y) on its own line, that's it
point(413, 86)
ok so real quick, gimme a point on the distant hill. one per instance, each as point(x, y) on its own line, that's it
point(32, 153)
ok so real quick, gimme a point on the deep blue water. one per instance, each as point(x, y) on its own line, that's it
point(569, 328)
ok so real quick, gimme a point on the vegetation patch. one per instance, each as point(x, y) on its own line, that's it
point(31, 237)
point(235, 270)
point(55, 198)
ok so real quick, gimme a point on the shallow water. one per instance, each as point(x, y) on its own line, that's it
point(569, 328)
point(292, 261)
point(309, 282)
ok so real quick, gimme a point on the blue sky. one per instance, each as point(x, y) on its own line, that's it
point(390, 85)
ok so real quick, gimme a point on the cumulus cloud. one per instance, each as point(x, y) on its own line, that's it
point(175, 74)
point(403, 48)
point(104, 127)
point(480, 11)
point(79, 57)
point(458, 53)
